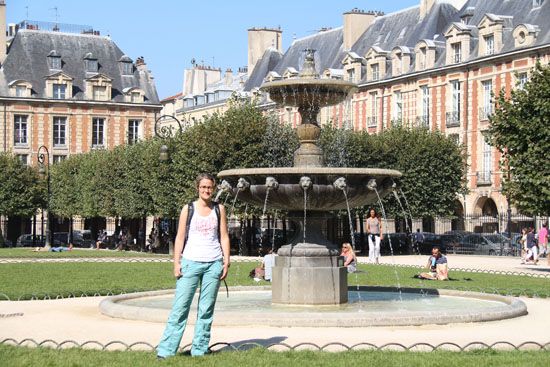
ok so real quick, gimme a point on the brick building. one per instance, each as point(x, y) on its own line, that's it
point(72, 90)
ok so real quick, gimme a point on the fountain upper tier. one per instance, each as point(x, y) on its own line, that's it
point(322, 195)
point(308, 92)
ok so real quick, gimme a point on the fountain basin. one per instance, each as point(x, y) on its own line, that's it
point(322, 196)
point(367, 306)
point(308, 91)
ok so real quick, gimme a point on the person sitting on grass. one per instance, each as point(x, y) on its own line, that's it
point(350, 260)
point(437, 263)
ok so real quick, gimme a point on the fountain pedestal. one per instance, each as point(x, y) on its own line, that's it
point(309, 272)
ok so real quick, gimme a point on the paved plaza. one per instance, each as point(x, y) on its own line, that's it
point(80, 320)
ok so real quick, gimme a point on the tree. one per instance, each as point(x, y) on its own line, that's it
point(432, 165)
point(21, 190)
point(520, 131)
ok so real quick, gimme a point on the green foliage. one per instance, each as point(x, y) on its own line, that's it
point(432, 164)
point(21, 190)
point(520, 131)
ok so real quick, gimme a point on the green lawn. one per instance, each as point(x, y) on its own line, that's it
point(27, 252)
point(20, 356)
point(27, 279)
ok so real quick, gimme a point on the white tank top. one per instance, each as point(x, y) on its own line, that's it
point(203, 244)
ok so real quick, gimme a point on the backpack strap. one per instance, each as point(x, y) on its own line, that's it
point(190, 211)
point(218, 216)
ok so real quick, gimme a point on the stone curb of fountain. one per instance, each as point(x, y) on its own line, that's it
point(21, 260)
point(329, 347)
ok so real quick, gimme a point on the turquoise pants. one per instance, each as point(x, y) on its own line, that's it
point(207, 274)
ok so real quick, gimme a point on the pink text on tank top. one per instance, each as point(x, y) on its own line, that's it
point(202, 243)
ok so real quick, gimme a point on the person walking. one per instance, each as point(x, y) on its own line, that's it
point(201, 258)
point(418, 240)
point(374, 231)
point(543, 241)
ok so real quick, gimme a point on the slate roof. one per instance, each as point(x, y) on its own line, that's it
point(267, 63)
point(27, 60)
point(405, 28)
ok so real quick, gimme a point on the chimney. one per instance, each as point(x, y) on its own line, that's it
point(228, 77)
point(356, 23)
point(3, 44)
point(140, 64)
point(259, 40)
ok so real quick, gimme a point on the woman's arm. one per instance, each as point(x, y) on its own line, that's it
point(180, 237)
point(224, 239)
point(349, 259)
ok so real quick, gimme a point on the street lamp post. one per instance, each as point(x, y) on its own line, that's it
point(44, 170)
point(164, 129)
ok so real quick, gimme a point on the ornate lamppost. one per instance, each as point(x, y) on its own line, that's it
point(44, 170)
point(165, 129)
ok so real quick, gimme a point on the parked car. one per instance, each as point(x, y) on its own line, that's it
point(80, 238)
point(26, 240)
point(452, 242)
point(499, 244)
point(430, 240)
point(4, 242)
point(400, 244)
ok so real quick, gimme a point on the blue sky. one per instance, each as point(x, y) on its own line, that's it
point(169, 33)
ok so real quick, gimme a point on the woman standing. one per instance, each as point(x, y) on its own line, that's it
point(374, 231)
point(350, 260)
point(201, 257)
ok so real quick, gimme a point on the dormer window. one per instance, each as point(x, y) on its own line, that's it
point(525, 34)
point(98, 87)
point(351, 75)
point(135, 95)
point(90, 63)
point(59, 86)
point(126, 65)
point(54, 60)
point(59, 91)
point(20, 88)
point(458, 44)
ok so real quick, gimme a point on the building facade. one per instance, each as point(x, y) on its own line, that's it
point(71, 90)
point(437, 65)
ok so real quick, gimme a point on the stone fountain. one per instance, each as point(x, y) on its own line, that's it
point(309, 271)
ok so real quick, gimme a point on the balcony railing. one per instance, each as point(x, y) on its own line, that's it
point(485, 112)
point(372, 121)
point(452, 119)
point(423, 121)
point(484, 178)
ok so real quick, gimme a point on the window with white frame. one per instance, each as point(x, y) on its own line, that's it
point(455, 107)
point(375, 70)
point(351, 75)
point(20, 132)
point(58, 158)
point(397, 106)
point(486, 104)
point(372, 119)
point(133, 131)
point(136, 97)
point(59, 131)
point(425, 113)
point(55, 62)
point(457, 52)
point(59, 91)
point(127, 68)
point(21, 91)
point(99, 93)
point(489, 44)
point(91, 65)
point(23, 158)
point(98, 132)
point(522, 79)
point(487, 161)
